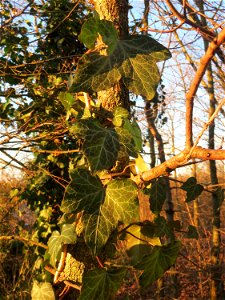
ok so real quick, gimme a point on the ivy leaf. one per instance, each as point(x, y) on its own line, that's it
point(101, 145)
point(97, 230)
point(119, 115)
point(85, 192)
point(138, 244)
point(192, 232)
point(66, 99)
point(158, 262)
point(42, 290)
point(121, 200)
point(93, 28)
point(192, 188)
point(101, 284)
point(127, 143)
point(133, 60)
point(57, 240)
point(148, 229)
point(120, 205)
point(157, 193)
point(162, 228)
point(101, 148)
point(141, 164)
point(67, 218)
point(135, 131)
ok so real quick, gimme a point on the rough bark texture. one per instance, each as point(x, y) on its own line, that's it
point(117, 12)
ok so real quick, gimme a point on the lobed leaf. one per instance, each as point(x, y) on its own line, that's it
point(135, 131)
point(158, 262)
point(66, 99)
point(57, 240)
point(120, 205)
point(101, 145)
point(84, 193)
point(42, 290)
point(101, 284)
point(93, 28)
point(127, 143)
point(192, 188)
point(138, 244)
point(133, 60)
point(119, 115)
point(157, 193)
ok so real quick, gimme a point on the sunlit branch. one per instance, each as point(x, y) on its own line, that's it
point(213, 46)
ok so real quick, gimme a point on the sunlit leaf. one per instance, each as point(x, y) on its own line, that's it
point(67, 100)
point(93, 28)
point(42, 290)
point(119, 115)
point(101, 284)
point(133, 60)
point(57, 240)
point(141, 164)
point(120, 205)
point(138, 244)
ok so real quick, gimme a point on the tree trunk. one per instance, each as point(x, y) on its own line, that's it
point(117, 12)
point(216, 283)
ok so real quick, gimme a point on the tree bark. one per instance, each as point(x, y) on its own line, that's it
point(216, 284)
point(115, 11)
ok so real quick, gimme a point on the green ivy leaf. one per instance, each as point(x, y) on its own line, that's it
point(93, 28)
point(85, 192)
point(133, 60)
point(66, 99)
point(101, 284)
point(119, 115)
point(120, 205)
point(121, 200)
point(138, 244)
point(158, 262)
point(98, 229)
point(67, 218)
point(157, 193)
point(135, 132)
point(126, 142)
point(192, 188)
point(101, 145)
point(192, 232)
point(148, 229)
point(141, 164)
point(57, 240)
point(162, 228)
point(42, 290)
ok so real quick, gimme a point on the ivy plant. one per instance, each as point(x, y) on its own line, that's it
point(100, 205)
